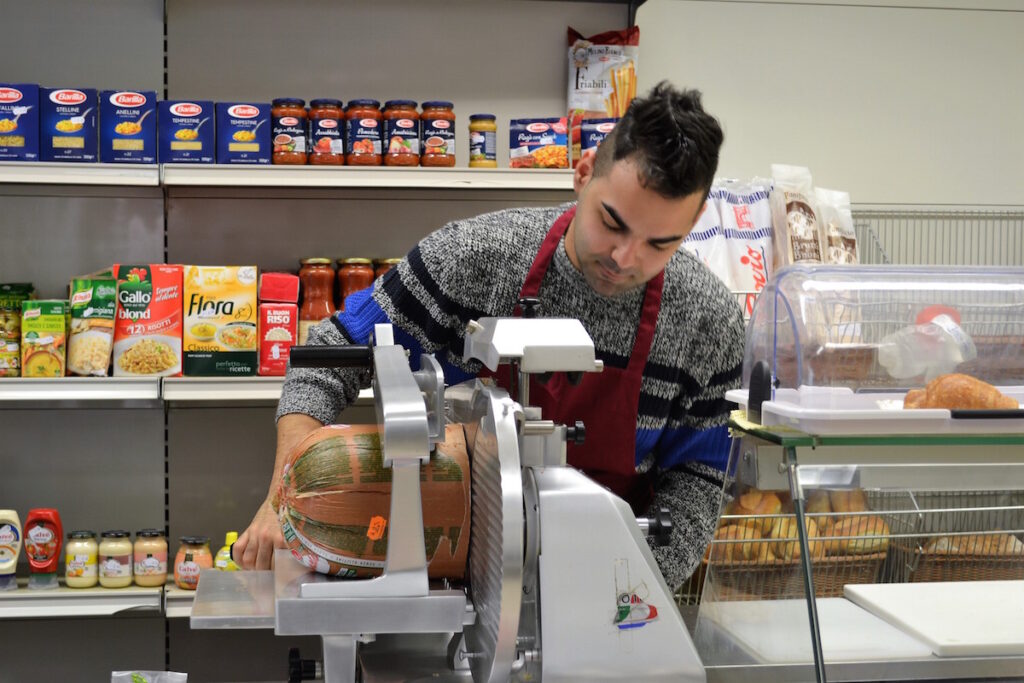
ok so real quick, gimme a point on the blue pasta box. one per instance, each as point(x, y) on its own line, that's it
point(19, 121)
point(538, 143)
point(186, 132)
point(243, 133)
point(67, 124)
point(594, 131)
point(128, 126)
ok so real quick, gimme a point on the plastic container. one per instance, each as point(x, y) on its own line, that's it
point(223, 560)
point(81, 563)
point(149, 553)
point(44, 537)
point(483, 141)
point(115, 559)
point(10, 548)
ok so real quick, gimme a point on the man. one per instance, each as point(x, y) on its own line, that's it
point(669, 332)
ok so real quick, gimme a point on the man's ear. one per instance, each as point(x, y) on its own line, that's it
point(584, 170)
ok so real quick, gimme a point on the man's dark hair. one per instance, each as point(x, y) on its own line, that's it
point(670, 137)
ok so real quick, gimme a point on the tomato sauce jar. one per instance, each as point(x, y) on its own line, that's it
point(401, 133)
point(326, 133)
point(438, 124)
point(364, 133)
point(354, 274)
point(384, 265)
point(317, 279)
point(288, 131)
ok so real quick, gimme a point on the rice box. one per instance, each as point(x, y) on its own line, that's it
point(220, 321)
point(19, 121)
point(42, 337)
point(147, 325)
point(91, 335)
point(11, 296)
point(186, 131)
point(243, 133)
point(279, 330)
point(128, 126)
point(67, 124)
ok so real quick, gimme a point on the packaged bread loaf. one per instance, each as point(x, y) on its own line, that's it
point(334, 503)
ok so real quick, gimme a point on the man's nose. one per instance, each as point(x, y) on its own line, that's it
point(624, 254)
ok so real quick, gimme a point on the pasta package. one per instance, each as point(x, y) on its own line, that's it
point(11, 296)
point(602, 78)
point(147, 325)
point(91, 336)
point(220, 336)
point(334, 503)
point(538, 143)
point(128, 126)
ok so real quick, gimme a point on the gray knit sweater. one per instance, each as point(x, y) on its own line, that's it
point(475, 268)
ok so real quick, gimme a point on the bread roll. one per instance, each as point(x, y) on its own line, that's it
point(786, 528)
point(959, 392)
point(976, 544)
point(818, 503)
point(863, 534)
point(848, 501)
point(756, 502)
point(732, 552)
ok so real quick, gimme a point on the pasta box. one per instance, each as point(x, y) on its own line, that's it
point(19, 121)
point(594, 131)
point(220, 335)
point(186, 131)
point(67, 124)
point(128, 126)
point(538, 143)
point(243, 133)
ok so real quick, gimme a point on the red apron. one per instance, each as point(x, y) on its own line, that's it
point(607, 402)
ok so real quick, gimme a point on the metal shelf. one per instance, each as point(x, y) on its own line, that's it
point(77, 602)
point(177, 601)
point(227, 175)
point(68, 173)
point(66, 390)
point(219, 390)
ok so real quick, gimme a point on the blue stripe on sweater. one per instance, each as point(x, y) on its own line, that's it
point(675, 447)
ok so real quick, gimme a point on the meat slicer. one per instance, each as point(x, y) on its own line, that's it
point(561, 583)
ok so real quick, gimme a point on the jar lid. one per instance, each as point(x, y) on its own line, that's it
point(355, 261)
point(438, 104)
point(325, 103)
point(363, 103)
point(149, 533)
point(400, 103)
point(283, 101)
point(318, 261)
point(115, 533)
point(82, 533)
point(195, 540)
point(482, 117)
point(390, 261)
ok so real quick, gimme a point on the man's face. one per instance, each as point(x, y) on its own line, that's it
point(624, 234)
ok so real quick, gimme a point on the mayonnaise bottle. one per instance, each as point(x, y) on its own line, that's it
point(10, 547)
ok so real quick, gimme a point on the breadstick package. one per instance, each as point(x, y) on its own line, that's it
point(602, 78)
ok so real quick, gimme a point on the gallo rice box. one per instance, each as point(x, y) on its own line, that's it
point(186, 132)
point(147, 329)
point(67, 124)
point(220, 321)
point(128, 126)
point(19, 121)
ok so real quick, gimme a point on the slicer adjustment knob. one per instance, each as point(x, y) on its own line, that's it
point(576, 434)
point(661, 528)
point(300, 669)
point(530, 306)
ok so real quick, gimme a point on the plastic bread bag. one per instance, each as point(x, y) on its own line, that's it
point(840, 238)
point(795, 216)
point(148, 677)
point(706, 241)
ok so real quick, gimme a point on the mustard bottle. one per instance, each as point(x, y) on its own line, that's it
point(223, 559)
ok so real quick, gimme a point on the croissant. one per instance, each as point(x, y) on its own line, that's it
point(958, 392)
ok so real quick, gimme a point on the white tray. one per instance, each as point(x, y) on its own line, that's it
point(838, 410)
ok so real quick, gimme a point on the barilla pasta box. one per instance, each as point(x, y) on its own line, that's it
point(19, 121)
point(538, 143)
point(128, 126)
point(147, 329)
point(594, 131)
point(243, 133)
point(67, 124)
point(220, 334)
point(279, 330)
point(186, 132)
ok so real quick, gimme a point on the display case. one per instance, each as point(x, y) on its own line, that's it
point(859, 539)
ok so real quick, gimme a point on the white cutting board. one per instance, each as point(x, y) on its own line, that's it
point(776, 631)
point(956, 618)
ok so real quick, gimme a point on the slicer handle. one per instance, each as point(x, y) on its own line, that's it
point(350, 356)
point(576, 434)
point(659, 527)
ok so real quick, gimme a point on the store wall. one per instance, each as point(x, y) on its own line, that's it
point(910, 105)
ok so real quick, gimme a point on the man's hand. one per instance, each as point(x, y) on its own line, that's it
point(254, 549)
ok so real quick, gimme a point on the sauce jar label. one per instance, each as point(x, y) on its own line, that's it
point(327, 136)
point(482, 145)
point(403, 136)
point(288, 133)
point(81, 566)
point(364, 136)
point(150, 564)
point(116, 566)
point(438, 137)
point(187, 574)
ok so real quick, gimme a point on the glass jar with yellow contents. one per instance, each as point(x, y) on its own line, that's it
point(483, 134)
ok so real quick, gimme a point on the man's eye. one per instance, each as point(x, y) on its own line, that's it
point(613, 228)
point(657, 247)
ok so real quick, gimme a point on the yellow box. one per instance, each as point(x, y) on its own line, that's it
point(219, 338)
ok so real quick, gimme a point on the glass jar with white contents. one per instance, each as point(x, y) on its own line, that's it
point(115, 559)
point(80, 560)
